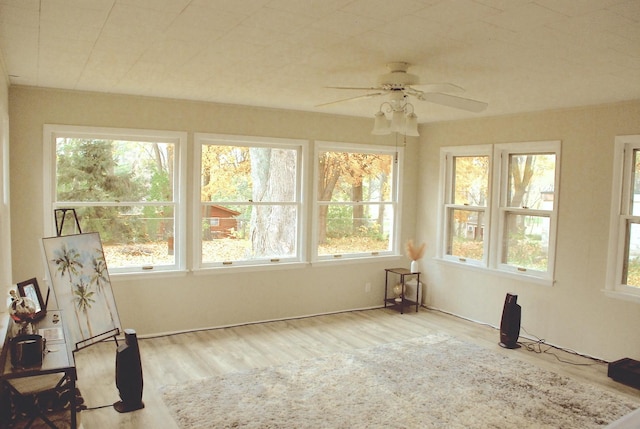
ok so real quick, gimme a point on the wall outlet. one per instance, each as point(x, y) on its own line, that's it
point(367, 287)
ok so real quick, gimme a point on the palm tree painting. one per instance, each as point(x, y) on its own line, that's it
point(82, 288)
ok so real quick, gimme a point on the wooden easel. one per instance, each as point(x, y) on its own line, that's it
point(60, 216)
point(60, 220)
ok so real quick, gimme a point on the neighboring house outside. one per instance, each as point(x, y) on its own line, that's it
point(222, 221)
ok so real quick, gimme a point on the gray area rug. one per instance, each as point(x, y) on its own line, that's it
point(434, 381)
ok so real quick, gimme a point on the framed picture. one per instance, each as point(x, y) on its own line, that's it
point(30, 289)
point(82, 287)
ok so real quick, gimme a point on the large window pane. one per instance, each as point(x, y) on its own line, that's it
point(466, 234)
point(531, 181)
point(132, 236)
point(249, 201)
point(526, 244)
point(358, 228)
point(227, 232)
point(241, 173)
point(471, 180)
point(356, 177)
point(113, 170)
point(121, 184)
point(355, 202)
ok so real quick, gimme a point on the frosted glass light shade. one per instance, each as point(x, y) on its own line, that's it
point(411, 125)
point(381, 124)
point(397, 121)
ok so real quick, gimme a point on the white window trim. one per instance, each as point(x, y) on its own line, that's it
point(396, 195)
point(50, 131)
point(619, 213)
point(227, 139)
point(501, 159)
point(446, 191)
point(498, 154)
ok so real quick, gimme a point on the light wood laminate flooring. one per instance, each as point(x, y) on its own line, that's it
point(177, 358)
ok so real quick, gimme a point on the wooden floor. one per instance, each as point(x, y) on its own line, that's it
point(176, 358)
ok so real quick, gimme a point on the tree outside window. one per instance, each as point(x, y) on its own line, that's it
point(122, 185)
point(500, 206)
point(356, 202)
point(467, 207)
point(249, 201)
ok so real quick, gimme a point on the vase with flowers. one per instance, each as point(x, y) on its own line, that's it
point(415, 253)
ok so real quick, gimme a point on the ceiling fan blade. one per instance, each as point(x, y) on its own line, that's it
point(375, 94)
point(438, 87)
point(370, 88)
point(453, 101)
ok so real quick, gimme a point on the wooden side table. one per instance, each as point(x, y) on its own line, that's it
point(402, 301)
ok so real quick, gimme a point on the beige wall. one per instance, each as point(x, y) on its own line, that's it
point(153, 304)
point(574, 313)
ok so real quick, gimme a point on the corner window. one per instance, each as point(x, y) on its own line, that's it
point(249, 198)
point(355, 201)
point(624, 234)
point(123, 184)
point(500, 206)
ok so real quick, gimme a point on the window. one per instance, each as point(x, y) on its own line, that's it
point(125, 185)
point(356, 201)
point(466, 204)
point(528, 175)
point(624, 236)
point(249, 200)
point(500, 206)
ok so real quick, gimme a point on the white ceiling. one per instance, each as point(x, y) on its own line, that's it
point(517, 55)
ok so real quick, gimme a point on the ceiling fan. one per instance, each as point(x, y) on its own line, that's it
point(400, 85)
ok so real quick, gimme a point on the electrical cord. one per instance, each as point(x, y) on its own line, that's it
point(537, 347)
point(98, 407)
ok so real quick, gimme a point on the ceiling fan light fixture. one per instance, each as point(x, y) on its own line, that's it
point(381, 124)
point(397, 121)
point(411, 125)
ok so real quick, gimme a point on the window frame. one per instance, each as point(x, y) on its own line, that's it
point(178, 138)
point(496, 211)
point(447, 197)
point(502, 152)
point(200, 139)
point(395, 200)
point(621, 213)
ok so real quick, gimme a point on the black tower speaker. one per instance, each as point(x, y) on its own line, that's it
point(510, 323)
point(129, 374)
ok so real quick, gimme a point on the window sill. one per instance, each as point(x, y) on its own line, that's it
point(239, 268)
point(138, 275)
point(355, 260)
point(625, 296)
point(500, 273)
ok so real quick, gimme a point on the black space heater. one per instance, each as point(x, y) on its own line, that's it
point(510, 323)
point(129, 374)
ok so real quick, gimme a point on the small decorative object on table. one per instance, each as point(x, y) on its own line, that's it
point(26, 346)
point(397, 290)
point(415, 253)
point(22, 311)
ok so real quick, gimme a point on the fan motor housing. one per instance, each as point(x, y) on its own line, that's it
point(397, 78)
